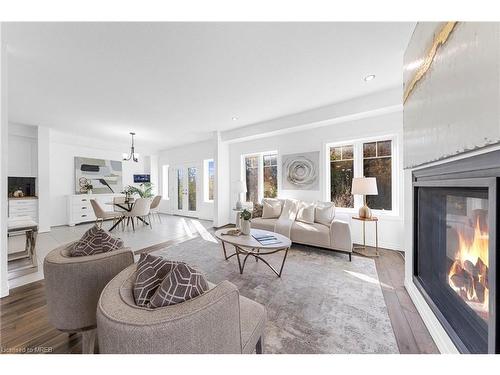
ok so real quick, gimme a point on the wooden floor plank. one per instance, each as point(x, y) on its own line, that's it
point(411, 333)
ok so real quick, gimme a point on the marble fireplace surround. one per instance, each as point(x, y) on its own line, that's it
point(445, 118)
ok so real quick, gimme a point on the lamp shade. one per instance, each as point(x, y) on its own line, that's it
point(240, 186)
point(364, 186)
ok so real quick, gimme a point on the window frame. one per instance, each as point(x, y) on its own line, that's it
point(165, 181)
point(260, 171)
point(359, 172)
point(206, 192)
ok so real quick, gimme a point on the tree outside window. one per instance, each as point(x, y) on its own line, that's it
point(368, 159)
point(377, 162)
point(261, 176)
point(270, 176)
point(252, 178)
point(208, 179)
point(341, 174)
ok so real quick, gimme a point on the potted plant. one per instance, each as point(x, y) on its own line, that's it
point(144, 190)
point(88, 187)
point(245, 217)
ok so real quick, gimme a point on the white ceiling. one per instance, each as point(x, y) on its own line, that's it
point(175, 83)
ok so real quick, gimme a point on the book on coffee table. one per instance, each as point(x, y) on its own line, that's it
point(266, 239)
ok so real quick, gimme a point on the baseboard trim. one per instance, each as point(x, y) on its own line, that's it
point(439, 335)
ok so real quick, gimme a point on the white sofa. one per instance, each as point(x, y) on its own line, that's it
point(336, 236)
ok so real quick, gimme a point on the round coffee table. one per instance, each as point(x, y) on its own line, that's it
point(247, 245)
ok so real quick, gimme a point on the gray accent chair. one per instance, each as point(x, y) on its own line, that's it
point(73, 286)
point(218, 321)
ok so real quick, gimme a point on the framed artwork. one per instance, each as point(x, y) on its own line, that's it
point(300, 171)
point(105, 176)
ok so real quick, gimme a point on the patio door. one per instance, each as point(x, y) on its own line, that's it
point(187, 183)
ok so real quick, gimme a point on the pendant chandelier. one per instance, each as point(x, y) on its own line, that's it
point(133, 155)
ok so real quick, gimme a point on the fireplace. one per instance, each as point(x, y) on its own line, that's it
point(455, 248)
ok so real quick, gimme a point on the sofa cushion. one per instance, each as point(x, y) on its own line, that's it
point(264, 224)
point(271, 208)
point(324, 213)
point(151, 270)
point(257, 210)
point(306, 212)
point(181, 284)
point(95, 241)
point(311, 234)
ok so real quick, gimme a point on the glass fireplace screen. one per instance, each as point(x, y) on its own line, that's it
point(452, 259)
point(467, 251)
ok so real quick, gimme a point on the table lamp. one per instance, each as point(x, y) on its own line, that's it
point(239, 187)
point(364, 186)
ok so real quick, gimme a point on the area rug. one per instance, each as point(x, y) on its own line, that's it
point(322, 303)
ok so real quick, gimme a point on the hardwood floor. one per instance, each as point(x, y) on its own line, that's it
point(411, 333)
point(25, 328)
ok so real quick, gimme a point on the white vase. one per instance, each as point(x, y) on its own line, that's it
point(245, 227)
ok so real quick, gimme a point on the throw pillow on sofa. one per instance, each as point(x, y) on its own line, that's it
point(290, 208)
point(95, 241)
point(324, 213)
point(306, 212)
point(181, 284)
point(271, 208)
point(151, 271)
point(257, 210)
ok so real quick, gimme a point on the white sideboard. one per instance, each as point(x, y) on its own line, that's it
point(80, 210)
point(27, 206)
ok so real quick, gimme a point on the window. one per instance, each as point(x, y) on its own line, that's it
point(164, 183)
point(270, 175)
point(341, 174)
point(180, 188)
point(377, 162)
point(208, 180)
point(261, 176)
point(362, 159)
point(192, 172)
point(252, 178)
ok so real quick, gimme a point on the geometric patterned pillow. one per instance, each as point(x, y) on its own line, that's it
point(181, 284)
point(151, 270)
point(109, 243)
point(95, 241)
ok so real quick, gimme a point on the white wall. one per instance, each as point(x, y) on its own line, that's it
point(4, 127)
point(63, 149)
point(45, 208)
point(316, 139)
point(192, 154)
point(23, 151)
point(222, 183)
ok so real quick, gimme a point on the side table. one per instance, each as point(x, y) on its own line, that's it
point(362, 250)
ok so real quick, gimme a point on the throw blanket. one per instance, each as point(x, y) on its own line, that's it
point(284, 223)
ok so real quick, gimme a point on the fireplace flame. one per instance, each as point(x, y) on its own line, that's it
point(468, 275)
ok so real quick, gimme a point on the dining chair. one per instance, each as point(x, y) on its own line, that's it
point(141, 209)
point(101, 214)
point(155, 206)
point(120, 201)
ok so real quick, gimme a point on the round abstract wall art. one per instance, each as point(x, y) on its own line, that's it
point(301, 171)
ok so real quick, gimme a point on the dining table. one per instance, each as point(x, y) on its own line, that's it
point(126, 206)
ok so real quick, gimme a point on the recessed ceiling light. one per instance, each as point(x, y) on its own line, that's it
point(369, 78)
point(234, 118)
